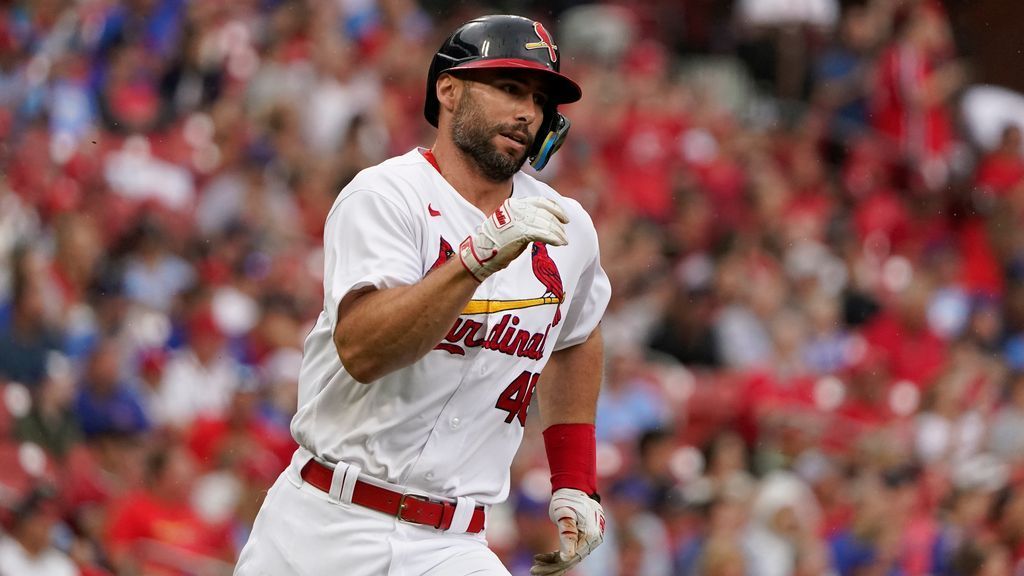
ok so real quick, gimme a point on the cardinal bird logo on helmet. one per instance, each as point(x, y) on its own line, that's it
point(545, 42)
point(443, 254)
point(545, 270)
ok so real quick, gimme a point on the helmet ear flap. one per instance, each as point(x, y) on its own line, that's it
point(549, 139)
point(431, 106)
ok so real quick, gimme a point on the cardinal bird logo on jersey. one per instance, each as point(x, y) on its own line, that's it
point(509, 334)
point(545, 270)
point(443, 255)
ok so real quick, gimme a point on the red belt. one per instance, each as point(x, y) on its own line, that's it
point(406, 507)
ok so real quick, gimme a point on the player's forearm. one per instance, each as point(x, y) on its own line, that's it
point(390, 329)
point(568, 401)
point(571, 382)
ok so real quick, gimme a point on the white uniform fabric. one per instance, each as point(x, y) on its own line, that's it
point(16, 560)
point(446, 426)
point(190, 389)
point(433, 426)
point(303, 531)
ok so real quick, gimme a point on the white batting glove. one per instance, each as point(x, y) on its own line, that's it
point(503, 236)
point(580, 521)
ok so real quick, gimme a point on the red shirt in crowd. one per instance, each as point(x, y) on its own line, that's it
point(642, 156)
point(915, 353)
point(882, 213)
point(925, 132)
point(982, 273)
point(999, 172)
point(724, 182)
point(214, 440)
point(166, 537)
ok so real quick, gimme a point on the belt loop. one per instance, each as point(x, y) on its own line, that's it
point(337, 479)
point(464, 508)
point(348, 486)
point(300, 458)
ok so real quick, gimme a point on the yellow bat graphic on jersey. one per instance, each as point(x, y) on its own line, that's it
point(495, 306)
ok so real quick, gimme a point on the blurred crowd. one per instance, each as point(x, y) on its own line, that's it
point(815, 345)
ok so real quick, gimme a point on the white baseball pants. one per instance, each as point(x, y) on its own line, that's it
point(303, 531)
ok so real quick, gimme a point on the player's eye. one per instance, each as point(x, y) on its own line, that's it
point(540, 100)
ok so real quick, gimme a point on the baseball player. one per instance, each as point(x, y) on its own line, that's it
point(455, 288)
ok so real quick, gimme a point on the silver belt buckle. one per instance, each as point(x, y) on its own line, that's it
point(401, 506)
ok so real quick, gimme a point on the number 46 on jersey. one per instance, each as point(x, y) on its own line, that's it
point(515, 399)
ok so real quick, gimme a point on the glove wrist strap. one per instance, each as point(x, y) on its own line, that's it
point(470, 261)
point(572, 456)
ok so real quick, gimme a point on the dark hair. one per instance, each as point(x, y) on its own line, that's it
point(968, 559)
point(19, 276)
point(31, 503)
point(651, 437)
point(901, 475)
point(157, 461)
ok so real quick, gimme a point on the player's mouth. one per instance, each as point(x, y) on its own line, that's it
point(518, 139)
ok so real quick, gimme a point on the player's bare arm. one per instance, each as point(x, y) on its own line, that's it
point(570, 383)
point(380, 331)
point(568, 389)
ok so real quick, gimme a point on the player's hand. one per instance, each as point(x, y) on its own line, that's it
point(580, 521)
point(503, 236)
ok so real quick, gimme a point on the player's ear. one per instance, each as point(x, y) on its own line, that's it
point(449, 89)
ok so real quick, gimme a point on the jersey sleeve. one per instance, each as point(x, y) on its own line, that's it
point(588, 305)
point(369, 241)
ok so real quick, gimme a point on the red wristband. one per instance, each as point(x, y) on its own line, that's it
point(572, 456)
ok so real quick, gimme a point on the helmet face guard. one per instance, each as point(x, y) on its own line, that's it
point(554, 137)
point(508, 43)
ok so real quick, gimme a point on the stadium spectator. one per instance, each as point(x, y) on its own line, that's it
point(1003, 167)
point(1006, 434)
point(28, 338)
point(105, 404)
point(201, 378)
point(28, 549)
point(50, 422)
point(153, 276)
point(155, 530)
point(915, 81)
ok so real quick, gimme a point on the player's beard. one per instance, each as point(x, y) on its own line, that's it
point(475, 137)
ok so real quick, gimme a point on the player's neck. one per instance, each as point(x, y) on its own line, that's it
point(466, 178)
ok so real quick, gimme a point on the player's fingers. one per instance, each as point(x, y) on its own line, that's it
point(585, 547)
point(557, 210)
point(556, 568)
point(559, 230)
point(552, 207)
point(568, 537)
point(546, 566)
point(546, 229)
point(549, 216)
point(546, 558)
point(551, 237)
point(549, 569)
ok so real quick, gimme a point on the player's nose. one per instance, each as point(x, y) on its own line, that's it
point(525, 114)
point(526, 109)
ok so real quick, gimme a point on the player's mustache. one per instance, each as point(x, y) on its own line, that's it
point(521, 129)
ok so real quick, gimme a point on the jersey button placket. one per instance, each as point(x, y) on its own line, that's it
point(491, 294)
point(454, 423)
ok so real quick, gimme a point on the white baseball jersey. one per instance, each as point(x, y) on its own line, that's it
point(450, 423)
